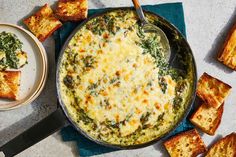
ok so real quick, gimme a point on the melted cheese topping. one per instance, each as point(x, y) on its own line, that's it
point(116, 86)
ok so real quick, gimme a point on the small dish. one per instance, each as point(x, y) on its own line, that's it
point(33, 75)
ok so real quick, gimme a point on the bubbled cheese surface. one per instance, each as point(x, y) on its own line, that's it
point(119, 85)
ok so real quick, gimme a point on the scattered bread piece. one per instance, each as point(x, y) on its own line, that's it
point(212, 90)
point(9, 84)
point(43, 23)
point(72, 10)
point(228, 54)
point(207, 118)
point(186, 144)
point(225, 147)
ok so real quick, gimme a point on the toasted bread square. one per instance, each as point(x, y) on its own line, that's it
point(228, 54)
point(207, 118)
point(225, 147)
point(212, 90)
point(9, 84)
point(43, 23)
point(72, 10)
point(186, 144)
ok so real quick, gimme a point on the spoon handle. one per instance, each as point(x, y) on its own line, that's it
point(136, 4)
point(139, 11)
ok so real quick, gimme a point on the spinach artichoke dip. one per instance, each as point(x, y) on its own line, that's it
point(116, 83)
point(11, 54)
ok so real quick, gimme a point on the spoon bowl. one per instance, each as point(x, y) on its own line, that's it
point(150, 28)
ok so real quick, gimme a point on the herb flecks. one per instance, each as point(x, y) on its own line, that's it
point(162, 84)
point(102, 24)
point(10, 46)
point(88, 62)
point(68, 81)
point(144, 117)
point(179, 91)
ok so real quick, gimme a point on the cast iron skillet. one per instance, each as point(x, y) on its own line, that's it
point(60, 118)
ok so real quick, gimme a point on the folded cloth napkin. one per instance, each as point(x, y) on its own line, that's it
point(173, 12)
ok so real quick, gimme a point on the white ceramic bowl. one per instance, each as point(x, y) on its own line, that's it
point(33, 74)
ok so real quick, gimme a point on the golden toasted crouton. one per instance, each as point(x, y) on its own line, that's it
point(228, 54)
point(207, 118)
point(186, 144)
point(43, 23)
point(72, 10)
point(212, 90)
point(225, 147)
point(9, 84)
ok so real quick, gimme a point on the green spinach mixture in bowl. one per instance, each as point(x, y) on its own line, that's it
point(116, 83)
point(11, 54)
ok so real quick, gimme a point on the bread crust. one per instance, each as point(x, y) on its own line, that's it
point(9, 84)
point(190, 140)
point(225, 147)
point(212, 90)
point(43, 23)
point(198, 118)
point(72, 10)
point(227, 54)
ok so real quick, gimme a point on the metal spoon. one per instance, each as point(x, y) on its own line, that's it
point(150, 28)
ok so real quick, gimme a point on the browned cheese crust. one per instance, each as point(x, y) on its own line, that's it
point(43, 23)
point(9, 84)
point(186, 144)
point(212, 90)
point(72, 10)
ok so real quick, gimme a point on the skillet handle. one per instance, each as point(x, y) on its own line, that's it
point(39, 131)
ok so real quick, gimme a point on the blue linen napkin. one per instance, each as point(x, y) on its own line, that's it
point(173, 12)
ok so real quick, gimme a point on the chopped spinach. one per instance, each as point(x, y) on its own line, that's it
point(106, 101)
point(177, 103)
point(113, 80)
point(77, 100)
point(68, 81)
point(163, 84)
point(160, 117)
point(88, 61)
point(92, 86)
point(127, 118)
point(181, 86)
point(111, 124)
point(10, 45)
point(94, 93)
point(151, 45)
point(179, 89)
point(144, 117)
point(84, 117)
point(102, 24)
